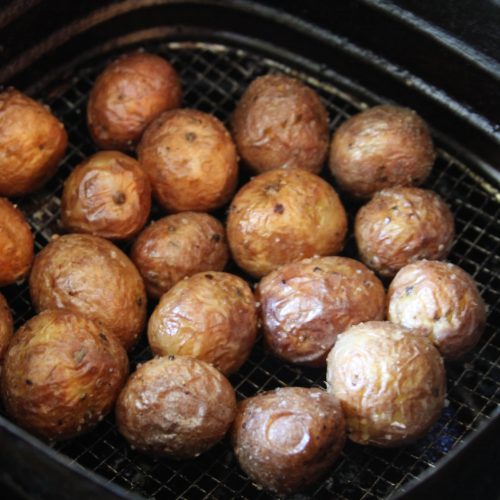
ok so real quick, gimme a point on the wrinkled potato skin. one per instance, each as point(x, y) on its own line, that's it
point(402, 225)
point(281, 123)
point(191, 161)
point(381, 147)
point(179, 246)
point(127, 96)
point(32, 143)
point(90, 275)
point(16, 244)
point(284, 216)
point(305, 305)
point(210, 316)
point(441, 300)
point(108, 195)
point(6, 327)
point(62, 374)
point(286, 439)
point(175, 407)
point(390, 382)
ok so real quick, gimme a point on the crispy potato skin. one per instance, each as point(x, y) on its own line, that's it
point(175, 407)
point(62, 374)
point(107, 195)
point(402, 225)
point(284, 216)
point(90, 275)
point(190, 159)
point(306, 304)
point(178, 246)
point(381, 147)
point(128, 95)
point(390, 382)
point(441, 300)
point(281, 123)
point(210, 316)
point(286, 439)
point(16, 244)
point(6, 327)
point(32, 143)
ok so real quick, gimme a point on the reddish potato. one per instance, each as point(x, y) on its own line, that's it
point(6, 327)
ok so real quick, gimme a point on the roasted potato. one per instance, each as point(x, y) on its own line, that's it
point(175, 407)
point(390, 382)
point(441, 300)
point(210, 316)
point(62, 374)
point(284, 216)
point(128, 95)
point(32, 143)
point(6, 327)
point(90, 275)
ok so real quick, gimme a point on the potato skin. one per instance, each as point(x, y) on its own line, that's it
point(6, 327)
point(179, 246)
point(107, 195)
point(281, 123)
point(441, 300)
point(381, 147)
point(210, 316)
point(16, 244)
point(32, 143)
point(286, 439)
point(175, 407)
point(306, 304)
point(190, 159)
point(90, 275)
point(284, 216)
point(390, 382)
point(62, 374)
point(128, 95)
point(402, 225)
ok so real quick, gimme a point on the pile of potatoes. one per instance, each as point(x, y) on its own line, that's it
point(67, 367)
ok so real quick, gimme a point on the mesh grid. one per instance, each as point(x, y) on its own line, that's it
point(214, 78)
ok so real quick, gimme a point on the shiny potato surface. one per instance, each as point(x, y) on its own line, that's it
point(381, 147)
point(177, 407)
point(210, 316)
point(128, 95)
point(62, 374)
point(32, 143)
point(402, 225)
point(390, 382)
point(190, 159)
point(178, 246)
point(286, 439)
point(281, 123)
point(284, 216)
point(441, 300)
point(90, 275)
point(6, 327)
point(16, 244)
point(306, 304)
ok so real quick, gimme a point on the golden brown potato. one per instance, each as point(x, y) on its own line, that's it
point(190, 159)
point(402, 225)
point(284, 216)
point(306, 304)
point(175, 407)
point(210, 316)
point(381, 147)
point(90, 275)
point(390, 381)
point(178, 246)
point(128, 95)
point(6, 327)
point(441, 300)
point(62, 374)
point(286, 439)
point(32, 143)
point(107, 195)
point(16, 244)
point(281, 123)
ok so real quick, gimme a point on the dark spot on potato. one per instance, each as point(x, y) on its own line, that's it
point(395, 207)
point(216, 237)
point(41, 147)
point(239, 293)
point(317, 269)
point(279, 208)
point(190, 136)
point(139, 301)
point(408, 290)
point(209, 276)
point(119, 198)
point(283, 282)
point(29, 382)
point(104, 338)
point(171, 357)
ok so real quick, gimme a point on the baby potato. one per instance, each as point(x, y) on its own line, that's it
point(6, 327)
